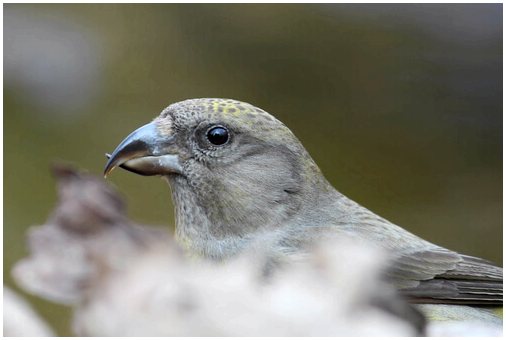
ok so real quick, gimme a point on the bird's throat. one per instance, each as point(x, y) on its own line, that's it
point(219, 227)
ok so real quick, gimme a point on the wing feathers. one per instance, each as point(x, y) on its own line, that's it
point(442, 276)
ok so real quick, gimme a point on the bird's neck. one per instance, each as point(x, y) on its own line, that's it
point(208, 236)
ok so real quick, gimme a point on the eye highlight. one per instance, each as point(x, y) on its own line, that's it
point(217, 135)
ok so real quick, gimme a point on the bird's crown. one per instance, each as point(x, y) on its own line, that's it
point(234, 112)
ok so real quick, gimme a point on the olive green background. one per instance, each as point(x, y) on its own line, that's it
point(400, 105)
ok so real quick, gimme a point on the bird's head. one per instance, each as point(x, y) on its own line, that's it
point(233, 168)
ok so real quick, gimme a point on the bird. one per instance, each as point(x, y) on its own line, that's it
point(240, 178)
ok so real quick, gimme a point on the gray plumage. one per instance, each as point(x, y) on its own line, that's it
point(261, 188)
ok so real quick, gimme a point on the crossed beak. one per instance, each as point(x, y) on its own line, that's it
point(145, 152)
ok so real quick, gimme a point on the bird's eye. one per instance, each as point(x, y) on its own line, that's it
point(217, 135)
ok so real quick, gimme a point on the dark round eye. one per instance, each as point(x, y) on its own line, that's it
point(217, 135)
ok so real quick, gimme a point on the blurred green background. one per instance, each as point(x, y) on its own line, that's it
point(400, 105)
